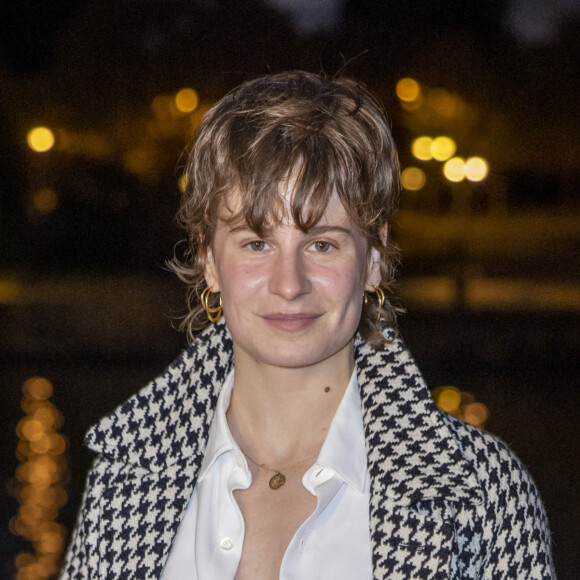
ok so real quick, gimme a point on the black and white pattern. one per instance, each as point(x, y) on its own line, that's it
point(447, 500)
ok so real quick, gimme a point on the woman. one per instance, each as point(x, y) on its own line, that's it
point(295, 437)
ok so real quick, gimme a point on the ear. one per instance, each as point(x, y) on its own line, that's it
point(210, 272)
point(373, 277)
point(374, 265)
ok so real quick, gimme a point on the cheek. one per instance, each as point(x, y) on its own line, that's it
point(345, 285)
point(238, 281)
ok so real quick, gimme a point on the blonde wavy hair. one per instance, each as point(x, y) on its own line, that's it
point(331, 133)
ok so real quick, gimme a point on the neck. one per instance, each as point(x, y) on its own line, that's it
point(281, 415)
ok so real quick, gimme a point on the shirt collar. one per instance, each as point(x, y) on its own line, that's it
point(343, 450)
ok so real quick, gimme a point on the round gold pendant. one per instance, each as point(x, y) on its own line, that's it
point(277, 481)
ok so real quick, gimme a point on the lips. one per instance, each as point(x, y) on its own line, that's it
point(291, 322)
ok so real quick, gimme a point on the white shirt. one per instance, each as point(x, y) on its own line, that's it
point(333, 543)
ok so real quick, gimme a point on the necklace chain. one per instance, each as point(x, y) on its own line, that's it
point(278, 479)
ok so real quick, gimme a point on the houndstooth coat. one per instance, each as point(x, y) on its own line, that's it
point(447, 500)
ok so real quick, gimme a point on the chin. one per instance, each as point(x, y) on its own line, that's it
point(300, 355)
point(292, 361)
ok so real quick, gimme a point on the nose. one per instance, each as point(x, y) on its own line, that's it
point(289, 277)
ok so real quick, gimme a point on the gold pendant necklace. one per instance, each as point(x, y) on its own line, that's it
point(278, 479)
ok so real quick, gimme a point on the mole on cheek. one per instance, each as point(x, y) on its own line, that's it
point(326, 389)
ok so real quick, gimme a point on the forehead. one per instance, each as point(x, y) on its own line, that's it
point(280, 209)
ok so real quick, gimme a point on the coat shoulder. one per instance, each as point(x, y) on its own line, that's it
point(496, 465)
point(513, 515)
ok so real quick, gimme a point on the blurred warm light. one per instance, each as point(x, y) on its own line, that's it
point(45, 200)
point(23, 559)
point(443, 103)
point(10, 291)
point(421, 148)
point(40, 139)
point(454, 169)
point(62, 139)
point(51, 542)
point(40, 478)
point(449, 399)
point(411, 106)
point(46, 416)
point(37, 388)
point(182, 182)
point(408, 90)
point(162, 106)
point(475, 414)
point(57, 444)
point(186, 100)
point(32, 430)
point(460, 404)
point(140, 161)
point(40, 446)
point(443, 148)
point(412, 178)
point(476, 169)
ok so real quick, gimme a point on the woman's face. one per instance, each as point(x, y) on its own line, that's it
point(292, 299)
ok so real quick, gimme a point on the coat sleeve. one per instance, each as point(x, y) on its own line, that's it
point(506, 536)
point(517, 532)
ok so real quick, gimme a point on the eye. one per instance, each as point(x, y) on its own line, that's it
point(257, 246)
point(321, 247)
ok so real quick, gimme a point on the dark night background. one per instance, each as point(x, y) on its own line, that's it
point(490, 276)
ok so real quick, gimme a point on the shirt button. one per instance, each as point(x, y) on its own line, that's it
point(226, 544)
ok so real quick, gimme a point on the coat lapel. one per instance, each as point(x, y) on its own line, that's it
point(413, 461)
point(154, 445)
point(168, 421)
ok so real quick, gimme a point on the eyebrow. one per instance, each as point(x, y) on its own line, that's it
point(323, 229)
point(314, 230)
point(241, 227)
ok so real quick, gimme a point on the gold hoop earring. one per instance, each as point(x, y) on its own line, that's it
point(380, 295)
point(213, 313)
point(380, 299)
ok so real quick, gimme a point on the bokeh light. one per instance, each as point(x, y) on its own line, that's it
point(40, 477)
point(45, 200)
point(449, 399)
point(454, 169)
point(408, 90)
point(182, 182)
point(460, 404)
point(163, 107)
point(476, 169)
point(412, 178)
point(37, 388)
point(444, 104)
point(40, 139)
point(443, 148)
point(475, 414)
point(421, 148)
point(186, 100)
